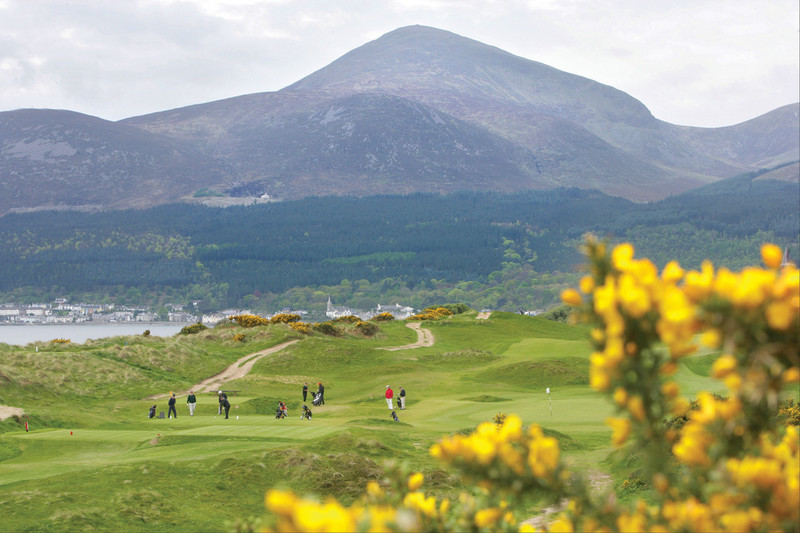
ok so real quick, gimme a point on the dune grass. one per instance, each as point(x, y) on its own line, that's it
point(93, 460)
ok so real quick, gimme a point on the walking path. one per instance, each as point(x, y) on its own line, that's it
point(236, 370)
point(424, 338)
point(8, 411)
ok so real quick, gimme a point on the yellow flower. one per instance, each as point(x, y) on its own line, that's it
point(670, 389)
point(487, 517)
point(636, 407)
point(415, 481)
point(373, 489)
point(621, 430)
point(780, 315)
point(620, 396)
point(586, 284)
point(622, 256)
point(525, 527)
point(711, 338)
point(771, 255)
point(280, 502)
point(418, 501)
point(562, 525)
point(724, 366)
point(672, 272)
point(571, 297)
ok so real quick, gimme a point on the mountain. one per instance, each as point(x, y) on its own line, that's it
point(56, 159)
point(419, 109)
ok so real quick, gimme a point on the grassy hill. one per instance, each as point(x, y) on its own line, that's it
point(93, 460)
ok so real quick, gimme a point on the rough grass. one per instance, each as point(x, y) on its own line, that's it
point(539, 374)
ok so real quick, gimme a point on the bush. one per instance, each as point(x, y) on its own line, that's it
point(249, 321)
point(558, 314)
point(327, 328)
point(301, 327)
point(239, 337)
point(383, 317)
point(455, 309)
point(350, 319)
point(192, 329)
point(368, 329)
point(146, 333)
point(284, 318)
point(431, 314)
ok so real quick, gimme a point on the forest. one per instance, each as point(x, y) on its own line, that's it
point(501, 251)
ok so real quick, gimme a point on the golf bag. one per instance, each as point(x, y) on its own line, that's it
point(394, 415)
point(306, 413)
point(152, 413)
point(317, 399)
point(282, 411)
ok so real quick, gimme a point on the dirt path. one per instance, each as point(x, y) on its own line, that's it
point(424, 338)
point(7, 412)
point(236, 370)
point(599, 481)
point(483, 315)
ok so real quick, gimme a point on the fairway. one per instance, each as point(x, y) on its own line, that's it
point(91, 448)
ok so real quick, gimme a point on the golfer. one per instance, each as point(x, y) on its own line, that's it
point(191, 401)
point(171, 404)
point(389, 396)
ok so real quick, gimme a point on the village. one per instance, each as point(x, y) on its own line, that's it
point(60, 311)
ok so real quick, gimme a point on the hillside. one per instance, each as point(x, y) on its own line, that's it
point(502, 251)
point(417, 110)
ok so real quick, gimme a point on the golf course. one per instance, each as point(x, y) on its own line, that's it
point(92, 459)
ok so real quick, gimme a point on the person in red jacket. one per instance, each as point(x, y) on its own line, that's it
point(389, 396)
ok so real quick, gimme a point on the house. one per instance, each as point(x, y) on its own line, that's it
point(336, 311)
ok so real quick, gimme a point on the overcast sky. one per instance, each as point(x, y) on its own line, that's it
point(693, 62)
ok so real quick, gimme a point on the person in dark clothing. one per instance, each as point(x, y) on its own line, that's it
point(402, 398)
point(172, 409)
point(321, 392)
point(225, 404)
point(305, 391)
point(222, 398)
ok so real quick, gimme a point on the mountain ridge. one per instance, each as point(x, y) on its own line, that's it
point(418, 109)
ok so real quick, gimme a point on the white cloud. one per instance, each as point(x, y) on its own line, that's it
point(700, 63)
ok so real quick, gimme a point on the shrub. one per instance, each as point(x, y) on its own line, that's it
point(146, 333)
point(284, 318)
point(558, 314)
point(61, 341)
point(456, 309)
point(192, 329)
point(383, 317)
point(789, 412)
point(239, 337)
point(249, 321)
point(431, 314)
point(350, 319)
point(327, 328)
point(368, 329)
point(732, 466)
point(301, 327)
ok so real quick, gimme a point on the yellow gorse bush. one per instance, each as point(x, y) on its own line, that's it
point(733, 466)
point(249, 321)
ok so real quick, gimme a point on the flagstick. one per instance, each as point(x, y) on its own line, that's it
point(550, 401)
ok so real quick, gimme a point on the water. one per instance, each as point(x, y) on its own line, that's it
point(22, 335)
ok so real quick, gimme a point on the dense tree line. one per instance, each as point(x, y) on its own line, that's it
point(471, 245)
